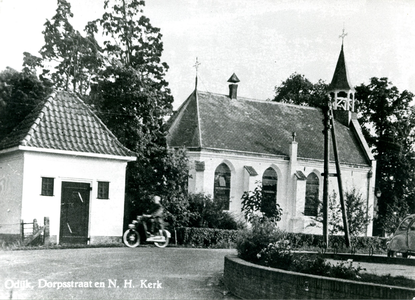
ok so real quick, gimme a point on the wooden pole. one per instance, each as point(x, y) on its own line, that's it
point(339, 181)
point(326, 177)
point(46, 232)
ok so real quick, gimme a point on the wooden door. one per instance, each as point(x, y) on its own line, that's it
point(74, 213)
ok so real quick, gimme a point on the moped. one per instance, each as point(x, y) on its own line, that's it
point(137, 233)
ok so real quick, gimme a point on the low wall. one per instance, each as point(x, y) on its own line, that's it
point(250, 281)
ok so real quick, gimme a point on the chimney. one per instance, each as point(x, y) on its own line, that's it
point(233, 87)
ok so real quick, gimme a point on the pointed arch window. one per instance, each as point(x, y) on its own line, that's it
point(311, 195)
point(269, 191)
point(222, 187)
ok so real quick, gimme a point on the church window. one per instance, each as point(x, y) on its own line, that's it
point(222, 187)
point(269, 191)
point(311, 195)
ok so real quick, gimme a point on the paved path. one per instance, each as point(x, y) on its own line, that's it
point(113, 273)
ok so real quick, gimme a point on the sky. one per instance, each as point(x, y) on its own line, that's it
point(262, 41)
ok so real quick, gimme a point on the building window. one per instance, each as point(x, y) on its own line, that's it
point(222, 187)
point(103, 190)
point(311, 195)
point(47, 186)
point(269, 192)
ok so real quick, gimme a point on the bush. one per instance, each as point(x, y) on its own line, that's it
point(208, 213)
point(278, 255)
point(207, 237)
point(251, 241)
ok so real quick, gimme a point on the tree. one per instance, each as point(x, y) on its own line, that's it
point(20, 93)
point(298, 90)
point(252, 202)
point(76, 59)
point(356, 212)
point(388, 122)
point(131, 95)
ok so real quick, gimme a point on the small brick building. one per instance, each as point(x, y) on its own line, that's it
point(63, 163)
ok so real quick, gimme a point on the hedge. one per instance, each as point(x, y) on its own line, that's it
point(206, 237)
point(224, 238)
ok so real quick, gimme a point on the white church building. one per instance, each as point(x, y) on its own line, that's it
point(234, 143)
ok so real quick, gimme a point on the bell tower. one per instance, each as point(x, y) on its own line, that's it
point(341, 91)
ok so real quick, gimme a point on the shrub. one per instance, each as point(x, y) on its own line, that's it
point(279, 255)
point(206, 237)
point(251, 241)
point(254, 206)
point(206, 212)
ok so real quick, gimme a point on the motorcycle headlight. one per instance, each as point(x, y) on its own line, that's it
point(131, 226)
point(135, 221)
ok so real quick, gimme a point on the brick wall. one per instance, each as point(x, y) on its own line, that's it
point(250, 281)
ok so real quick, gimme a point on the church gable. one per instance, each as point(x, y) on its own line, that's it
point(184, 127)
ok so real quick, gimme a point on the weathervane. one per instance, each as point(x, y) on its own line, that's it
point(196, 66)
point(343, 35)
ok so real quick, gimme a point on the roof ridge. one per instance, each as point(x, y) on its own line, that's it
point(199, 124)
point(262, 101)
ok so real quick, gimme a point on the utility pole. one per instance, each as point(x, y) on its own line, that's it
point(327, 126)
point(339, 180)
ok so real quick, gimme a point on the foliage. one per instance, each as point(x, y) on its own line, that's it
point(388, 123)
point(132, 41)
point(76, 59)
point(251, 241)
point(132, 98)
point(252, 206)
point(207, 237)
point(167, 177)
point(297, 89)
point(205, 212)
point(278, 255)
point(20, 92)
point(356, 212)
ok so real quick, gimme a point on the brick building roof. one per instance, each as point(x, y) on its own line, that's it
point(65, 122)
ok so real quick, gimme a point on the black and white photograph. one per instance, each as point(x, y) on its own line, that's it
point(207, 149)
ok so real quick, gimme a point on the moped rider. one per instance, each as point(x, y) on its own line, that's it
point(156, 215)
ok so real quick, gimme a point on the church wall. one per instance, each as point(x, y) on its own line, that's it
point(290, 190)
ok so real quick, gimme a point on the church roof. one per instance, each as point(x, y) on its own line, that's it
point(214, 121)
point(64, 122)
point(341, 79)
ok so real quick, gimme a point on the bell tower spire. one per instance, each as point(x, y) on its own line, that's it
point(341, 91)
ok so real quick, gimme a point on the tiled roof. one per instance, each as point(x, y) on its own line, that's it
point(207, 120)
point(64, 122)
point(341, 79)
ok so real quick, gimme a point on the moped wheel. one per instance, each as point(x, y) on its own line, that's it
point(164, 244)
point(131, 238)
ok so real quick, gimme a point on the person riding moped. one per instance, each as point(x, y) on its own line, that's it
point(155, 216)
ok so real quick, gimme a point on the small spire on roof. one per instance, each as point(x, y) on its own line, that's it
point(196, 66)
